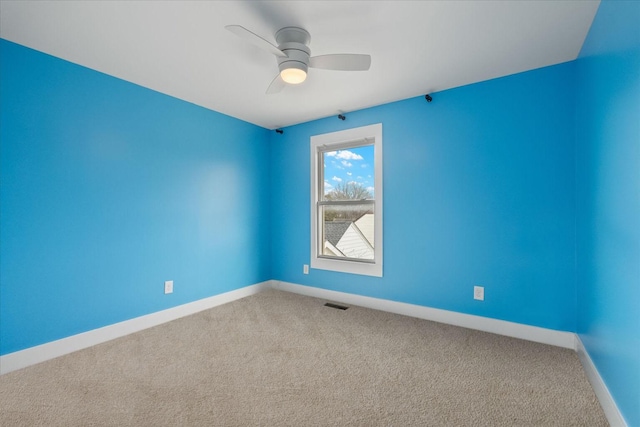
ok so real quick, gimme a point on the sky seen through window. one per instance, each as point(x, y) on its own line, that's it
point(354, 165)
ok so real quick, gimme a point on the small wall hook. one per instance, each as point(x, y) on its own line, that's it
point(280, 131)
point(428, 98)
point(341, 117)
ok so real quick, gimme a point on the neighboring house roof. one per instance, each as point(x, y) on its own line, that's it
point(353, 239)
point(334, 230)
point(353, 244)
point(366, 225)
point(329, 249)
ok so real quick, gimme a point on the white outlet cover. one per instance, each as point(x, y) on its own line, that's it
point(168, 287)
point(478, 293)
point(305, 269)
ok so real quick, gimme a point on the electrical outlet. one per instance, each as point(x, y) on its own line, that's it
point(478, 293)
point(168, 287)
point(305, 269)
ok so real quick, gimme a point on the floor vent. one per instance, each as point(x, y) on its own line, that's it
point(339, 307)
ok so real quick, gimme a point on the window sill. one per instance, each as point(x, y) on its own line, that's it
point(351, 267)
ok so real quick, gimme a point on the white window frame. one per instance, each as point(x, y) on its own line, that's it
point(343, 140)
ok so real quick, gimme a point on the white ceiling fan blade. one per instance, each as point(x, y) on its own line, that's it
point(341, 62)
point(254, 39)
point(276, 85)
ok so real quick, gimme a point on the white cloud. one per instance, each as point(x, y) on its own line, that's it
point(344, 155)
point(348, 155)
point(327, 186)
point(346, 164)
point(336, 179)
point(364, 165)
point(349, 173)
point(370, 189)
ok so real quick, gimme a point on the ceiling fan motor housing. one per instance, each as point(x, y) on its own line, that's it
point(293, 42)
point(294, 56)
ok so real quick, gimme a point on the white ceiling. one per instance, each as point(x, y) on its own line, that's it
point(182, 49)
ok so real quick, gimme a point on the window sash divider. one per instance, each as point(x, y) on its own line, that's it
point(346, 202)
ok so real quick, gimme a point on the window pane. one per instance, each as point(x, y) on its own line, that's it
point(349, 174)
point(347, 231)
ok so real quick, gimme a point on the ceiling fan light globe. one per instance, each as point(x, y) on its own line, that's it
point(293, 76)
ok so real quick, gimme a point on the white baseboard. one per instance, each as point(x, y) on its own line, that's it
point(501, 327)
point(609, 406)
point(31, 356)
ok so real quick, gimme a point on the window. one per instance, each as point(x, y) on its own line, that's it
point(346, 201)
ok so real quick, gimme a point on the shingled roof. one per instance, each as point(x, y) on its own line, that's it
point(334, 230)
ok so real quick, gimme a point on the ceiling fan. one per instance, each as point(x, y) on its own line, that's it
point(293, 55)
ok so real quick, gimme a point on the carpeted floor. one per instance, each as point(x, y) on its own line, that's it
point(281, 359)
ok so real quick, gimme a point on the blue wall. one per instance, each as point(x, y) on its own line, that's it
point(608, 200)
point(478, 190)
point(108, 190)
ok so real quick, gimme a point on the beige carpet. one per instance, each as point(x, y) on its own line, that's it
point(280, 359)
